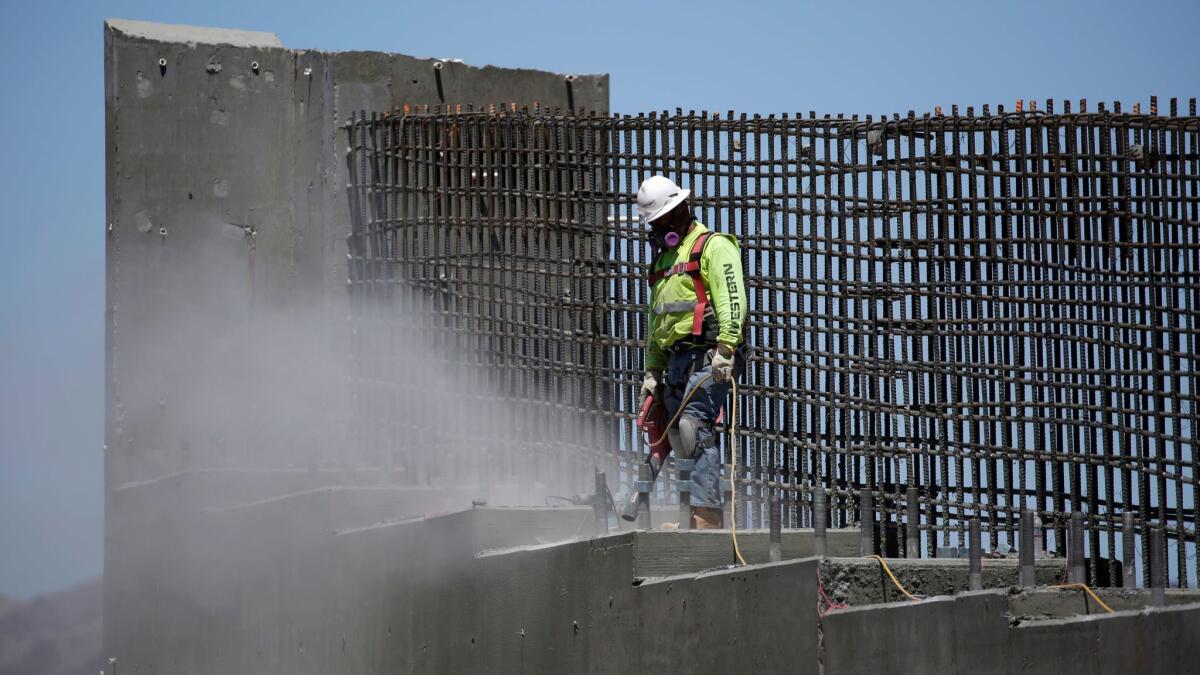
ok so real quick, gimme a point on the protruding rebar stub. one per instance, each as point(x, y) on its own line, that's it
point(975, 555)
point(912, 532)
point(1076, 572)
point(775, 520)
point(866, 518)
point(1128, 550)
point(600, 503)
point(1027, 574)
point(1158, 568)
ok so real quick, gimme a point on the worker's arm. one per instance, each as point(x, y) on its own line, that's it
point(721, 268)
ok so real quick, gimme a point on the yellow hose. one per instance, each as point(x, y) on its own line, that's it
point(895, 581)
point(1090, 592)
point(733, 469)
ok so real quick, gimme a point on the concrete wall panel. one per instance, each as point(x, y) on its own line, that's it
point(226, 224)
point(745, 625)
point(918, 637)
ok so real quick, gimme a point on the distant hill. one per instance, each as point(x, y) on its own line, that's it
point(57, 634)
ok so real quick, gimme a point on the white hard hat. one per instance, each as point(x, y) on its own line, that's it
point(657, 196)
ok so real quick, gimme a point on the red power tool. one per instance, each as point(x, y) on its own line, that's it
point(652, 420)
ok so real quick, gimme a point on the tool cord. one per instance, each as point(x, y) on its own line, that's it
point(733, 451)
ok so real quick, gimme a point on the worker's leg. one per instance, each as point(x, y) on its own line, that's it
point(689, 378)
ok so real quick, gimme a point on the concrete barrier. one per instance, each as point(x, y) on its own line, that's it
point(1156, 640)
point(931, 636)
point(304, 594)
point(972, 632)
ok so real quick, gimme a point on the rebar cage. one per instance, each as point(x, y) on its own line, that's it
point(999, 309)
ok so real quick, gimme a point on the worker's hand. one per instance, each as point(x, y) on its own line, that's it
point(649, 386)
point(722, 363)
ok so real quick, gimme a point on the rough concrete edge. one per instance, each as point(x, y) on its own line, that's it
point(603, 77)
point(735, 569)
point(718, 571)
point(177, 33)
point(406, 520)
point(893, 605)
point(1083, 618)
point(902, 563)
point(170, 33)
point(533, 507)
point(603, 541)
point(328, 489)
point(201, 471)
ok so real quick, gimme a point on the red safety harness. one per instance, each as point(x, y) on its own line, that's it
point(691, 267)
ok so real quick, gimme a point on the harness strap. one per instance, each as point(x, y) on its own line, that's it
point(692, 268)
point(678, 268)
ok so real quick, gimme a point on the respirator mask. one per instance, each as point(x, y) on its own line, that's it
point(666, 238)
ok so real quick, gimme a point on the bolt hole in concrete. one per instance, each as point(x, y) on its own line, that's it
point(254, 66)
point(162, 231)
point(162, 66)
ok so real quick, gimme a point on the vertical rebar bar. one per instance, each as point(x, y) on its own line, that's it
point(1028, 571)
point(1128, 561)
point(1158, 580)
point(912, 530)
point(819, 514)
point(866, 519)
point(1076, 573)
point(776, 551)
point(975, 557)
point(1158, 568)
point(600, 504)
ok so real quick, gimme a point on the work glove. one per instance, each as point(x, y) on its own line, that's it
point(649, 386)
point(722, 363)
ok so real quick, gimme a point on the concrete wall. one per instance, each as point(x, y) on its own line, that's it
point(226, 190)
point(332, 580)
point(757, 619)
point(226, 222)
point(926, 637)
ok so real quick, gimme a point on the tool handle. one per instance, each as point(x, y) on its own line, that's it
point(641, 420)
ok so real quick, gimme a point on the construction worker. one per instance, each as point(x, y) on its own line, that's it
point(697, 308)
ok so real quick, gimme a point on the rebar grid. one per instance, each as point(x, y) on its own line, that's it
point(999, 310)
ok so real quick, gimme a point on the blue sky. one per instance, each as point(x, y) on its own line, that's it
point(863, 57)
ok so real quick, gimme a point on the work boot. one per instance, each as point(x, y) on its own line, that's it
point(705, 518)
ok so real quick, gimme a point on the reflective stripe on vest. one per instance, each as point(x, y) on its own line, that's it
point(680, 306)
